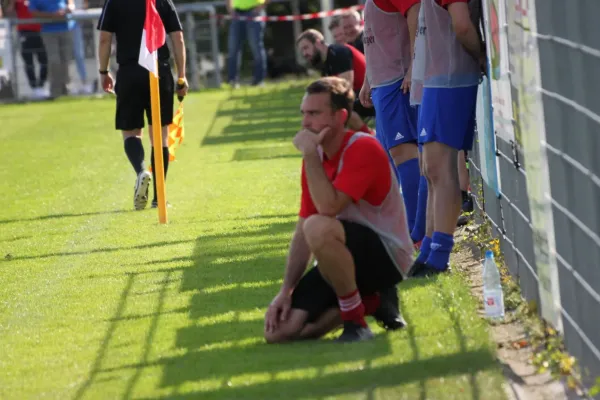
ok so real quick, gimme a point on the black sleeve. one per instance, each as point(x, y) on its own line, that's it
point(359, 45)
point(108, 18)
point(340, 61)
point(169, 16)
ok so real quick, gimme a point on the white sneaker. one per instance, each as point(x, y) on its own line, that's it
point(43, 93)
point(140, 194)
point(38, 93)
point(86, 89)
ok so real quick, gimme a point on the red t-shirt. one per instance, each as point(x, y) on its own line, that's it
point(446, 3)
point(401, 6)
point(343, 58)
point(359, 66)
point(365, 174)
point(22, 11)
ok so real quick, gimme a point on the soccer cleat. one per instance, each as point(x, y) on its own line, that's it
point(388, 314)
point(422, 270)
point(462, 221)
point(354, 332)
point(140, 193)
point(467, 205)
point(155, 204)
point(415, 268)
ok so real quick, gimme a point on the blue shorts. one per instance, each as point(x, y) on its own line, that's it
point(447, 115)
point(395, 118)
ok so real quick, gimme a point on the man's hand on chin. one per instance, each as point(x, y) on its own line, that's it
point(307, 142)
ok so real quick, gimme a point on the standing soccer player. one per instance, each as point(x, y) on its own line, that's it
point(445, 77)
point(125, 19)
point(389, 33)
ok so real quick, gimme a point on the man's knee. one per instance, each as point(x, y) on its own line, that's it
point(439, 161)
point(404, 152)
point(319, 230)
point(288, 330)
point(132, 133)
point(164, 133)
point(280, 336)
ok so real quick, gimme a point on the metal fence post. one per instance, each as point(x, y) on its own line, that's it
point(190, 32)
point(326, 5)
point(214, 39)
point(14, 39)
point(297, 26)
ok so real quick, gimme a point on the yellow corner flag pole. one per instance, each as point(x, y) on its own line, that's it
point(159, 165)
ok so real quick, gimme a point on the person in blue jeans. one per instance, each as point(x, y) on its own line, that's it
point(241, 29)
point(56, 34)
point(79, 49)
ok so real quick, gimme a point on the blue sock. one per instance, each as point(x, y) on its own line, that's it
point(425, 249)
point(418, 231)
point(441, 246)
point(409, 179)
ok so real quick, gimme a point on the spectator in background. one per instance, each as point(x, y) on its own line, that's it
point(79, 49)
point(338, 60)
point(337, 30)
point(56, 34)
point(254, 31)
point(353, 29)
point(32, 47)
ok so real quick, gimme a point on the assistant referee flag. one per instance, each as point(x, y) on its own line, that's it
point(153, 37)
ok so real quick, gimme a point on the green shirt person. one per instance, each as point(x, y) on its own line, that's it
point(247, 22)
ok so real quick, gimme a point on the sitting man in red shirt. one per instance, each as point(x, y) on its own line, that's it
point(351, 219)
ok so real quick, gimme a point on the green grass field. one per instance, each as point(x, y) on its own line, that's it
point(100, 301)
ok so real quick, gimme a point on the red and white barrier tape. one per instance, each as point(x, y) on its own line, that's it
point(321, 14)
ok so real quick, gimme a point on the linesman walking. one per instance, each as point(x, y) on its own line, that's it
point(125, 19)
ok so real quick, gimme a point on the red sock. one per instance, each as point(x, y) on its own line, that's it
point(365, 129)
point(371, 302)
point(352, 308)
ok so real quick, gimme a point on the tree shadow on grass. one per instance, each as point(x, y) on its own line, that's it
point(265, 153)
point(62, 215)
point(272, 386)
point(257, 116)
point(220, 263)
point(232, 279)
point(95, 251)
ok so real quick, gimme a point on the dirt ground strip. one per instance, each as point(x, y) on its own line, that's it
point(522, 379)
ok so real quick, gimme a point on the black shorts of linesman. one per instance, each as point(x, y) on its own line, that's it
point(351, 219)
point(125, 20)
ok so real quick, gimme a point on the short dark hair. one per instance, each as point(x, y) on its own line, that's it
point(340, 92)
point(312, 35)
point(336, 21)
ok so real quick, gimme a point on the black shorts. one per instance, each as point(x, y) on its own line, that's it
point(373, 267)
point(361, 110)
point(133, 96)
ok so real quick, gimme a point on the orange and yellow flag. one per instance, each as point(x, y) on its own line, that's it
point(176, 133)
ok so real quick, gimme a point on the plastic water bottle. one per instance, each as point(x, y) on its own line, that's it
point(493, 297)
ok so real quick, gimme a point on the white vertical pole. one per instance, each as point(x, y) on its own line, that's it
point(297, 27)
point(326, 5)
